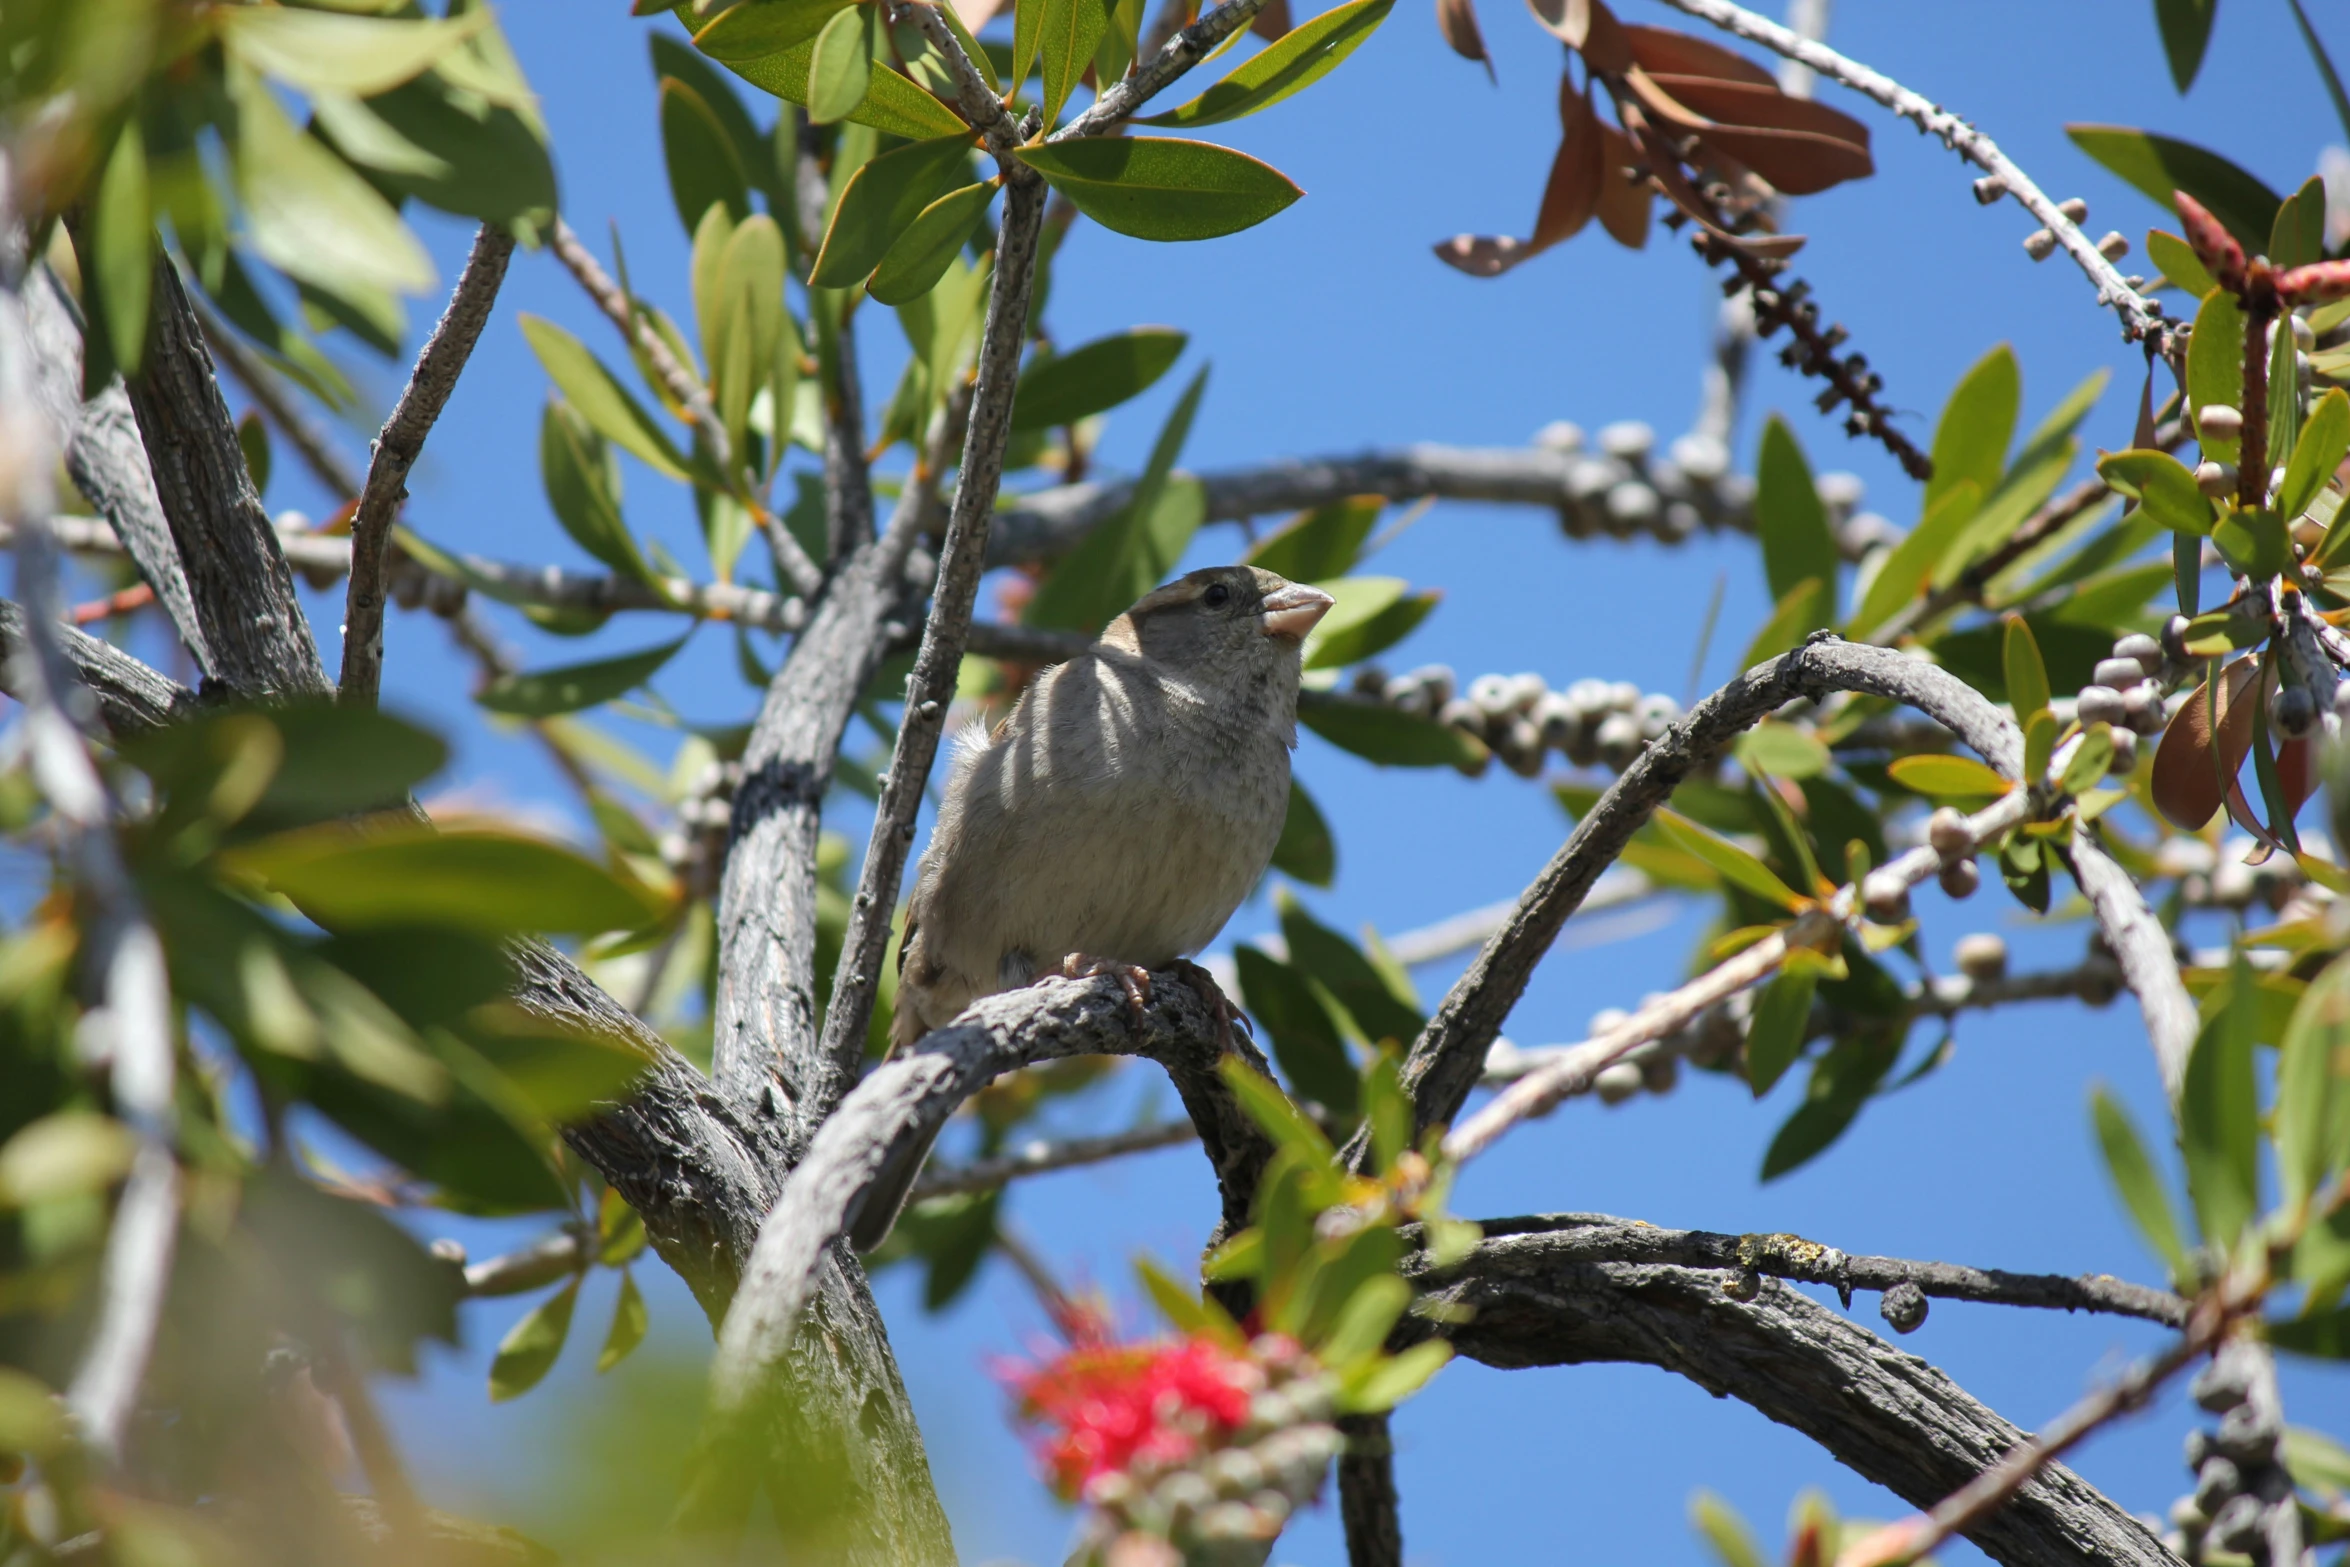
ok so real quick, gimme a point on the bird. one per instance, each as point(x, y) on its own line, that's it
point(1114, 821)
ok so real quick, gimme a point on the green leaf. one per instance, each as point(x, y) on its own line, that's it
point(2186, 28)
point(546, 692)
point(2219, 1117)
point(841, 69)
point(309, 213)
point(1306, 850)
point(1155, 188)
point(450, 147)
point(2137, 1182)
point(891, 104)
point(1947, 777)
point(1735, 864)
point(748, 332)
point(1388, 1109)
point(2039, 745)
point(2162, 487)
point(1125, 558)
point(1904, 572)
point(1320, 544)
point(2090, 761)
point(1339, 967)
point(1386, 1383)
point(1368, 622)
point(1379, 733)
point(2324, 442)
point(2027, 676)
point(1807, 606)
point(704, 167)
point(1841, 1082)
point(527, 1353)
point(407, 872)
point(920, 256)
point(754, 149)
point(1364, 1322)
point(629, 1321)
point(1782, 750)
point(1301, 57)
point(318, 51)
point(2215, 366)
point(601, 399)
point(756, 32)
point(1305, 1040)
point(1273, 1110)
point(1977, 424)
point(2325, 1337)
point(2299, 234)
point(2159, 165)
point(2312, 1120)
point(1791, 519)
point(2254, 542)
point(882, 200)
point(1066, 38)
point(122, 246)
point(1027, 37)
point(1098, 376)
point(583, 490)
point(2179, 263)
point(1782, 1019)
point(1719, 1525)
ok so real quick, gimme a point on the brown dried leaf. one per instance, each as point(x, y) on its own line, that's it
point(1763, 107)
point(1664, 166)
point(1571, 194)
point(1589, 28)
point(1272, 21)
point(1799, 162)
point(1457, 20)
point(2185, 783)
point(1662, 52)
point(1624, 201)
point(1483, 255)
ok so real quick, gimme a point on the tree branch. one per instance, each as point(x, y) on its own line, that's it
point(257, 641)
point(1887, 1415)
point(2141, 317)
point(271, 395)
point(438, 366)
point(1039, 1157)
point(130, 696)
point(1187, 48)
point(930, 689)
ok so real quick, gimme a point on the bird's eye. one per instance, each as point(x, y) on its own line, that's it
point(1217, 596)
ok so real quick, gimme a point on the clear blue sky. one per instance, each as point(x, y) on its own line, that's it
point(1332, 329)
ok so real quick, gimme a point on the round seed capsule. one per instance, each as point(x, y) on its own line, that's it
point(1617, 1083)
point(1947, 831)
point(2216, 479)
point(2295, 713)
point(2144, 649)
point(1960, 878)
point(1904, 1307)
point(2125, 752)
point(2118, 672)
point(1981, 956)
point(2219, 422)
point(2099, 705)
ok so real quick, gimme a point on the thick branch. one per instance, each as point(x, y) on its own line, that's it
point(1888, 1415)
point(930, 689)
point(252, 625)
point(397, 448)
point(2141, 317)
point(275, 399)
point(130, 696)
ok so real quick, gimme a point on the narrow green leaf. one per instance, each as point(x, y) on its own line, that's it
point(546, 692)
point(2324, 442)
point(2312, 1122)
point(583, 489)
point(1094, 377)
point(1782, 1017)
point(1066, 39)
point(318, 51)
point(2298, 236)
point(757, 32)
point(2159, 165)
point(1782, 751)
point(1273, 1110)
point(891, 103)
point(1306, 850)
point(2325, 66)
point(920, 256)
point(1320, 544)
point(1155, 188)
point(311, 214)
point(1719, 1525)
point(1379, 733)
point(2254, 542)
point(749, 324)
point(253, 442)
point(704, 167)
point(1364, 1322)
point(1903, 575)
point(2162, 487)
point(601, 399)
point(754, 149)
point(1386, 1383)
point(2039, 745)
point(2027, 676)
point(1947, 777)
point(2090, 761)
point(882, 200)
point(1341, 969)
point(1027, 37)
point(122, 240)
point(410, 873)
point(1977, 424)
point(1301, 57)
point(2137, 1182)
point(1305, 1040)
point(527, 1353)
point(1790, 518)
point(2219, 1116)
point(2186, 28)
point(1125, 558)
point(841, 69)
point(1735, 864)
point(629, 1321)
point(2215, 366)
point(1369, 631)
point(1841, 1083)
point(2179, 263)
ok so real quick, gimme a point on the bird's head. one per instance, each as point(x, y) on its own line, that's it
point(1225, 620)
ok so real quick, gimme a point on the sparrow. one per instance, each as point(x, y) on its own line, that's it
point(1114, 820)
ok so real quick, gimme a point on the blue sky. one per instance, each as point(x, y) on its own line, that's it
point(1333, 329)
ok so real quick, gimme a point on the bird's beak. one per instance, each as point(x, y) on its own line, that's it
point(1295, 610)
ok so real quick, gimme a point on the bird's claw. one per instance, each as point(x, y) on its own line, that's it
point(1132, 978)
point(1228, 1016)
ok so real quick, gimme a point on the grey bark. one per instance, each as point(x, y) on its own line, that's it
point(130, 696)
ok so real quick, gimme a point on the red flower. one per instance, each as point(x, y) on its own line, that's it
point(1106, 1407)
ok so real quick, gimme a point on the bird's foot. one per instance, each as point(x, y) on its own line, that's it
point(1229, 1018)
point(1134, 979)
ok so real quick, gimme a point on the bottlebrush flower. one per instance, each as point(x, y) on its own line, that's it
point(1107, 1408)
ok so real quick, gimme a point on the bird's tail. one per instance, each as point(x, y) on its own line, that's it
point(886, 1197)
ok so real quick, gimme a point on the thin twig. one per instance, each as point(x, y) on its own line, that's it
point(2141, 317)
point(1913, 1537)
point(930, 689)
point(684, 387)
point(1043, 1158)
point(569, 1251)
point(977, 101)
point(1176, 56)
point(438, 366)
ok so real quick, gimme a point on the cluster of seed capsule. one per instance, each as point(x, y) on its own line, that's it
point(1620, 486)
point(1519, 718)
point(694, 847)
point(2240, 1485)
point(1233, 1495)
